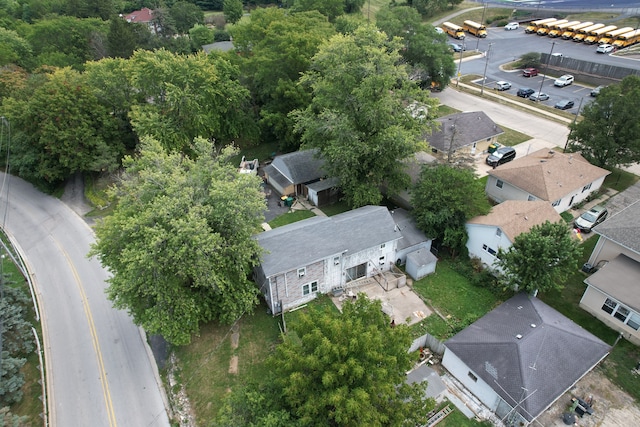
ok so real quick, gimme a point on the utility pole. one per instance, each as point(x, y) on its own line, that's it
point(486, 63)
point(546, 67)
point(481, 23)
point(460, 62)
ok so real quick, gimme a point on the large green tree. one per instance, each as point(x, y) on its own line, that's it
point(185, 15)
point(609, 133)
point(360, 117)
point(425, 50)
point(348, 369)
point(443, 199)
point(233, 10)
point(541, 259)
point(179, 242)
point(277, 48)
point(14, 49)
point(190, 96)
point(62, 128)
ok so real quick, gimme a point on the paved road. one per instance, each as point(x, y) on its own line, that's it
point(99, 370)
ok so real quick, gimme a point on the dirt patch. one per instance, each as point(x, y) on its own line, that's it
point(612, 407)
point(233, 365)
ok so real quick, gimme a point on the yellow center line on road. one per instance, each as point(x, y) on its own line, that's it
point(94, 337)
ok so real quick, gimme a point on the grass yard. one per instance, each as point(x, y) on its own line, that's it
point(335, 209)
point(204, 364)
point(290, 217)
point(620, 180)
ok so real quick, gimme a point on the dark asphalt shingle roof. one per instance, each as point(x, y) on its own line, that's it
point(304, 242)
point(299, 167)
point(462, 129)
point(623, 228)
point(547, 359)
point(411, 234)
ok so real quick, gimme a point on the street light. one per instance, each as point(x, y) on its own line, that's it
point(546, 67)
point(486, 63)
point(574, 122)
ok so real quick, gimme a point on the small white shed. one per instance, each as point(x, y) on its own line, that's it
point(420, 263)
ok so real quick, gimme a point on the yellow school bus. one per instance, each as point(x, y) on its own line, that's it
point(535, 25)
point(545, 28)
point(594, 35)
point(453, 30)
point(573, 30)
point(627, 39)
point(557, 30)
point(475, 28)
point(610, 36)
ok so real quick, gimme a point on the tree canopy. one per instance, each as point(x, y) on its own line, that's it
point(345, 369)
point(179, 242)
point(609, 133)
point(541, 259)
point(360, 117)
point(425, 50)
point(443, 199)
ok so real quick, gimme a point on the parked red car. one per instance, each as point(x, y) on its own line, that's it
point(529, 72)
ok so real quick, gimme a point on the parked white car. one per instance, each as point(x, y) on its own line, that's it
point(605, 48)
point(563, 81)
point(512, 26)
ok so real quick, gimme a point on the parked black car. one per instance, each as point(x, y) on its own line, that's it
point(501, 155)
point(525, 92)
point(565, 104)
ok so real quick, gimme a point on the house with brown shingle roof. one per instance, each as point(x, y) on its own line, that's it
point(465, 133)
point(613, 291)
point(560, 179)
point(499, 228)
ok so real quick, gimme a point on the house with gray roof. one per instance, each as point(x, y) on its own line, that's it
point(320, 254)
point(561, 179)
point(613, 291)
point(521, 357)
point(291, 175)
point(506, 221)
point(464, 133)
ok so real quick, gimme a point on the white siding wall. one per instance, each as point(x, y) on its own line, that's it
point(479, 388)
point(372, 257)
point(507, 192)
point(592, 302)
point(480, 235)
point(578, 195)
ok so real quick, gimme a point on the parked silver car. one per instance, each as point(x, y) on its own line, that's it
point(591, 218)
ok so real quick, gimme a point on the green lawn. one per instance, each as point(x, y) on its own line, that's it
point(335, 209)
point(620, 180)
point(290, 217)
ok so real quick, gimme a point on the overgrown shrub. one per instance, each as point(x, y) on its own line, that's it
point(221, 36)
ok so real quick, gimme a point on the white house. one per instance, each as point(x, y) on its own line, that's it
point(521, 357)
point(561, 179)
point(613, 291)
point(506, 221)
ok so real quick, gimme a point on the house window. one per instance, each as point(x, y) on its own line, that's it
point(382, 246)
point(473, 377)
point(621, 313)
point(488, 249)
point(498, 232)
point(586, 187)
point(499, 183)
point(381, 260)
point(556, 203)
point(634, 321)
point(302, 272)
point(531, 198)
point(609, 305)
point(310, 288)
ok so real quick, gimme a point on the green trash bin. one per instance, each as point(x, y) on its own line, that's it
point(288, 201)
point(493, 147)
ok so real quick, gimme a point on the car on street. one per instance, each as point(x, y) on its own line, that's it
point(596, 91)
point(512, 26)
point(502, 85)
point(591, 218)
point(564, 104)
point(456, 47)
point(563, 81)
point(605, 48)
point(539, 96)
point(501, 155)
point(529, 72)
point(439, 30)
point(525, 92)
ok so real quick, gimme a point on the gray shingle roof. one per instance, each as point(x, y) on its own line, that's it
point(547, 359)
point(623, 227)
point(299, 167)
point(470, 127)
point(304, 242)
point(619, 279)
point(411, 235)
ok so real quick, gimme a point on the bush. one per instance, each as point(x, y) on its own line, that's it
point(221, 36)
point(531, 59)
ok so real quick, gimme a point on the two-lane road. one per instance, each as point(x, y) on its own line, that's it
point(99, 371)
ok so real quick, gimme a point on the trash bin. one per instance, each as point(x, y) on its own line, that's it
point(288, 201)
point(493, 147)
point(587, 268)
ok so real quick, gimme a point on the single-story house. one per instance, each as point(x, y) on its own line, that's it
point(506, 221)
point(414, 248)
point(143, 16)
point(521, 357)
point(291, 174)
point(558, 178)
point(465, 133)
point(613, 291)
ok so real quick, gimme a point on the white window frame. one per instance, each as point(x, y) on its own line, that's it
point(302, 272)
point(310, 288)
point(556, 203)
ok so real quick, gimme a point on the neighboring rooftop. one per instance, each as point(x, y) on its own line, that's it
point(462, 129)
point(298, 167)
point(524, 348)
point(515, 217)
point(618, 278)
point(548, 174)
point(411, 235)
point(623, 228)
point(142, 16)
point(305, 242)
